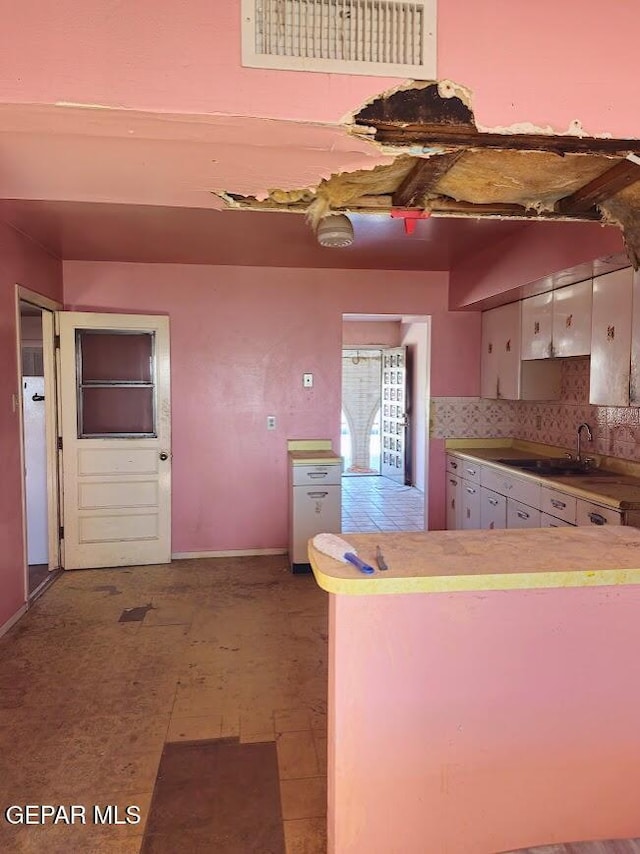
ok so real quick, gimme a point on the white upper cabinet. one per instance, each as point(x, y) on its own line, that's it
point(537, 325)
point(611, 338)
point(500, 363)
point(503, 375)
point(557, 323)
point(572, 320)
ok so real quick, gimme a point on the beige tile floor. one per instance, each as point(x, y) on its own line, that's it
point(231, 647)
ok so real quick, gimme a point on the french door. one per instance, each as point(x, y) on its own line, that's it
point(394, 416)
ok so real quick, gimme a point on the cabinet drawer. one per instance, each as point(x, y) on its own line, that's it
point(454, 464)
point(558, 504)
point(499, 480)
point(547, 521)
point(595, 514)
point(521, 515)
point(493, 510)
point(304, 475)
point(470, 471)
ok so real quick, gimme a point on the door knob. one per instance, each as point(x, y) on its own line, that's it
point(164, 455)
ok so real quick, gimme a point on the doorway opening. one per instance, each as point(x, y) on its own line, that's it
point(383, 422)
point(38, 414)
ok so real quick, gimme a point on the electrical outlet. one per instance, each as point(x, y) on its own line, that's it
point(307, 380)
point(271, 422)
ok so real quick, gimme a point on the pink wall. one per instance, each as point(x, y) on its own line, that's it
point(485, 722)
point(378, 333)
point(534, 251)
point(161, 56)
point(241, 338)
point(21, 262)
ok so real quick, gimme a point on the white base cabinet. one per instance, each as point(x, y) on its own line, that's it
point(315, 507)
point(493, 510)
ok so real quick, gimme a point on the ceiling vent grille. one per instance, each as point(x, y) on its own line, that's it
point(378, 37)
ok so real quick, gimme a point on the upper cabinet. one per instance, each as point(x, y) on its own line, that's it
point(611, 326)
point(503, 375)
point(572, 320)
point(537, 327)
point(557, 323)
point(500, 362)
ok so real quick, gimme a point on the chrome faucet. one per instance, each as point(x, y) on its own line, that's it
point(581, 427)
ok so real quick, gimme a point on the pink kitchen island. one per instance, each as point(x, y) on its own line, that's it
point(484, 692)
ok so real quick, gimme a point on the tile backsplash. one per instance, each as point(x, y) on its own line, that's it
point(616, 429)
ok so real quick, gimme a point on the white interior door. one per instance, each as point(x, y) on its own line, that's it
point(393, 422)
point(116, 443)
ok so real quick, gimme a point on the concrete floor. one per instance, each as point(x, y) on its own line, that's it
point(230, 647)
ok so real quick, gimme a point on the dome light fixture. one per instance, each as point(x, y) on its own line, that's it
point(334, 231)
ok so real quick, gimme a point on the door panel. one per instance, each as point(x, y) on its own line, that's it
point(116, 439)
point(394, 417)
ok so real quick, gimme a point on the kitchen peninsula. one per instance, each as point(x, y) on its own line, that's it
point(483, 691)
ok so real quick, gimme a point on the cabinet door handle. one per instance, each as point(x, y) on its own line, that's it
point(493, 502)
point(453, 464)
point(522, 515)
point(470, 490)
point(314, 475)
point(317, 494)
point(472, 472)
point(597, 519)
point(453, 481)
point(559, 505)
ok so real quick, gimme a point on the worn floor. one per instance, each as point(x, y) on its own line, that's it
point(375, 503)
point(93, 683)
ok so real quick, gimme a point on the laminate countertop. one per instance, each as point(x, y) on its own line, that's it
point(450, 561)
point(314, 458)
point(617, 489)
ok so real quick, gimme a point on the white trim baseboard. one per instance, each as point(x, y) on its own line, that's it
point(228, 553)
point(13, 620)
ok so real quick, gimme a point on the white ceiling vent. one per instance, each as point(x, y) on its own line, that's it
point(391, 38)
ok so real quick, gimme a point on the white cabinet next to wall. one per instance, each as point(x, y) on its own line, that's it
point(454, 516)
point(503, 375)
point(611, 338)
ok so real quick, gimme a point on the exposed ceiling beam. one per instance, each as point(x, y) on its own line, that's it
point(423, 177)
point(446, 206)
point(434, 136)
point(623, 174)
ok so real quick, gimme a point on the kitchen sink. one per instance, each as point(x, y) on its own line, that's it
point(559, 466)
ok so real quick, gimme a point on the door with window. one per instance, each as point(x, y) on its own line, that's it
point(116, 443)
point(394, 417)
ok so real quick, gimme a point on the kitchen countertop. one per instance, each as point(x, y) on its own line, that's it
point(311, 458)
point(451, 561)
point(618, 490)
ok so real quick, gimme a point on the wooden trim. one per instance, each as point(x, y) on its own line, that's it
point(462, 137)
point(622, 174)
point(423, 177)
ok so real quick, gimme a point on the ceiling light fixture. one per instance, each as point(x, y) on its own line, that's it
point(334, 231)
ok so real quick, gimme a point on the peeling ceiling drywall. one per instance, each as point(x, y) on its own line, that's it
point(441, 164)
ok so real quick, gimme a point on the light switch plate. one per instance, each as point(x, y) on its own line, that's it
point(307, 380)
point(271, 422)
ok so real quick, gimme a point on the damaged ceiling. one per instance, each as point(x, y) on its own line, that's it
point(444, 165)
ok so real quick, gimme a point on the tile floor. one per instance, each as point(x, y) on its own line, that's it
point(230, 647)
point(373, 503)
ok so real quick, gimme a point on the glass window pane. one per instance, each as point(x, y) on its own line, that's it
point(115, 356)
point(116, 409)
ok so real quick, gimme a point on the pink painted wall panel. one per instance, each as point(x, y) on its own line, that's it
point(483, 722)
point(21, 262)
point(161, 56)
point(371, 332)
point(241, 338)
point(456, 337)
point(536, 250)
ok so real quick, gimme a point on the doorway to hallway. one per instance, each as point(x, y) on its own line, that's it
point(383, 423)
